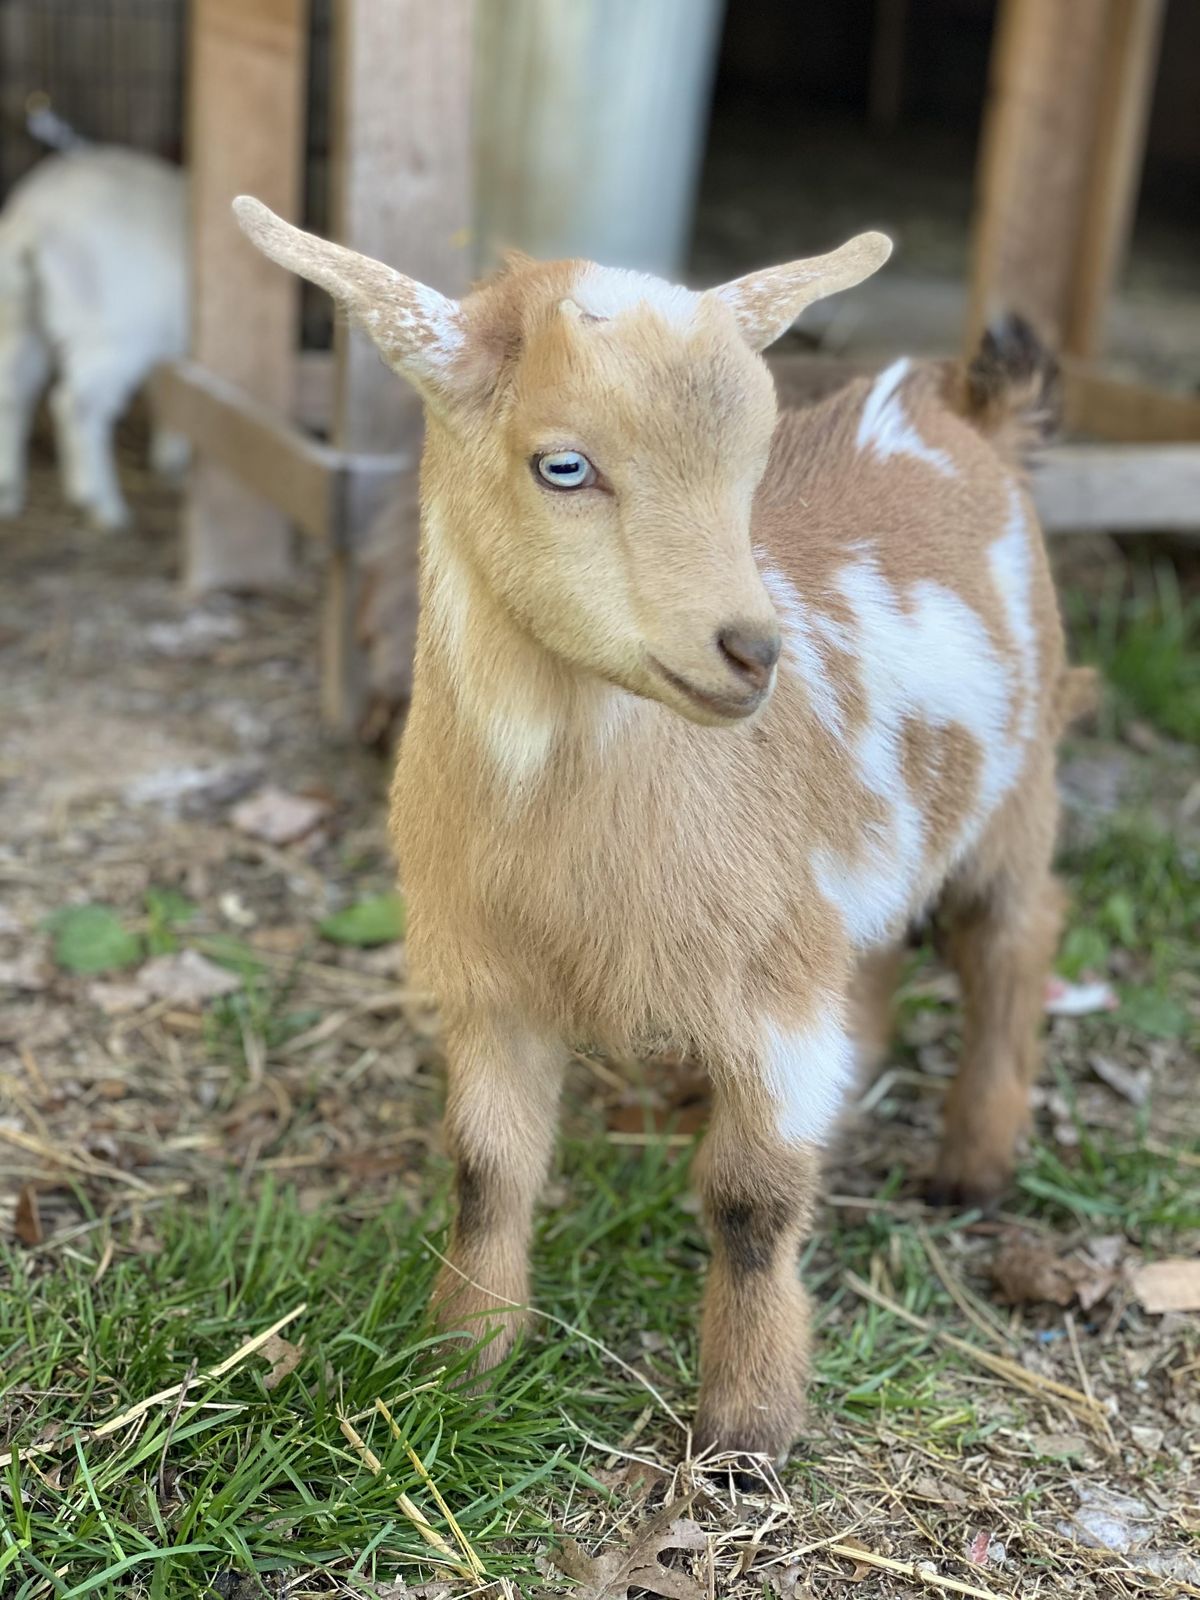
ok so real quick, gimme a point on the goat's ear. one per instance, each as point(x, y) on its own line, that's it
point(767, 303)
point(419, 332)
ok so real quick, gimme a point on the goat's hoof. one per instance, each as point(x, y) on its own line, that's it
point(108, 519)
point(744, 1455)
point(748, 1472)
point(964, 1194)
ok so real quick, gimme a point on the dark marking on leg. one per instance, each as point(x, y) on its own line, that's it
point(473, 1189)
point(750, 1231)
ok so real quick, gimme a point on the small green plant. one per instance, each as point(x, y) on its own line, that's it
point(166, 911)
point(92, 939)
point(376, 920)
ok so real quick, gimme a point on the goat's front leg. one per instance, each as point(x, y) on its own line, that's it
point(501, 1120)
point(758, 1173)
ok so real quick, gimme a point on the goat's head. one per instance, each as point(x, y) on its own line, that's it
point(596, 439)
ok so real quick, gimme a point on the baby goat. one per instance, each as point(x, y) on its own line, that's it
point(93, 284)
point(709, 704)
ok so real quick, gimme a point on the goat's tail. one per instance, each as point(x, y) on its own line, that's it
point(45, 125)
point(1013, 389)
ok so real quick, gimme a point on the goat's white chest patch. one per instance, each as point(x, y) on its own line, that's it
point(886, 429)
point(808, 1071)
point(929, 658)
point(517, 729)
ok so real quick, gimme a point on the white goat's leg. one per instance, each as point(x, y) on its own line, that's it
point(501, 1119)
point(24, 370)
point(95, 388)
point(62, 411)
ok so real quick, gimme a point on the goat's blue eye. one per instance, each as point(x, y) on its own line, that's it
point(565, 469)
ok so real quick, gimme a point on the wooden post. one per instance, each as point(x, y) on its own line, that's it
point(1038, 132)
point(591, 117)
point(402, 193)
point(245, 135)
point(885, 85)
point(1125, 94)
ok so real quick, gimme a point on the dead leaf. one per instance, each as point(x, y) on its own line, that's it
point(613, 1573)
point(1172, 1285)
point(195, 635)
point(977, 1550)
point(192, 790)
point(1107, 1520)
point(284, 1357)
point(1131, 1085)
point(27, 1224)
point(28, 972)
point(1028, 1273)
point(114, 999)
point(1065, 999)
point(1025, 1272)
point(277, 816)
point(186, 978)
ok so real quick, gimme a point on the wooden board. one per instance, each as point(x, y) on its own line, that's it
point(1117, 410)
point(1119, 488)
point(401, 167)
point(309, 482)
point(246, 83)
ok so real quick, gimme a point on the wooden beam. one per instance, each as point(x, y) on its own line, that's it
point(1039, 128)
point(1119, 488)
point(401, 164)
point(246, 85)
point(1114, 409)
point(309, 482)
point(1125, 95)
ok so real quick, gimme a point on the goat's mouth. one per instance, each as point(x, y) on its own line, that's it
point(716, 706)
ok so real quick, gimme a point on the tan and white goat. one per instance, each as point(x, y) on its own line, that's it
point(709, 704)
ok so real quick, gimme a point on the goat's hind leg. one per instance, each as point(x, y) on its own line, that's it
point(501, 1121)
point(94, 389)
point(1002, 918)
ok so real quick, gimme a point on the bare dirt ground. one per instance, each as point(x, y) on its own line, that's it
point(133, 726)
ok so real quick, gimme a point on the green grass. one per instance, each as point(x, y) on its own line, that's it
point(256, 1482)
point(248, 1483)
point(1144, 633)
point(264, 1482)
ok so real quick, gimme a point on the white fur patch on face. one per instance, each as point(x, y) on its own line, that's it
point(933, 660)
point(808, 1071)
point(606, 292)
point(504, 710)
point(801, 654)
point(886, 429)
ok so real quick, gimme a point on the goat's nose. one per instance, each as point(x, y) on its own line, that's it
point(751, 652)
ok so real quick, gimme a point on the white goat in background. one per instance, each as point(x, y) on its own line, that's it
point(93, 288)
